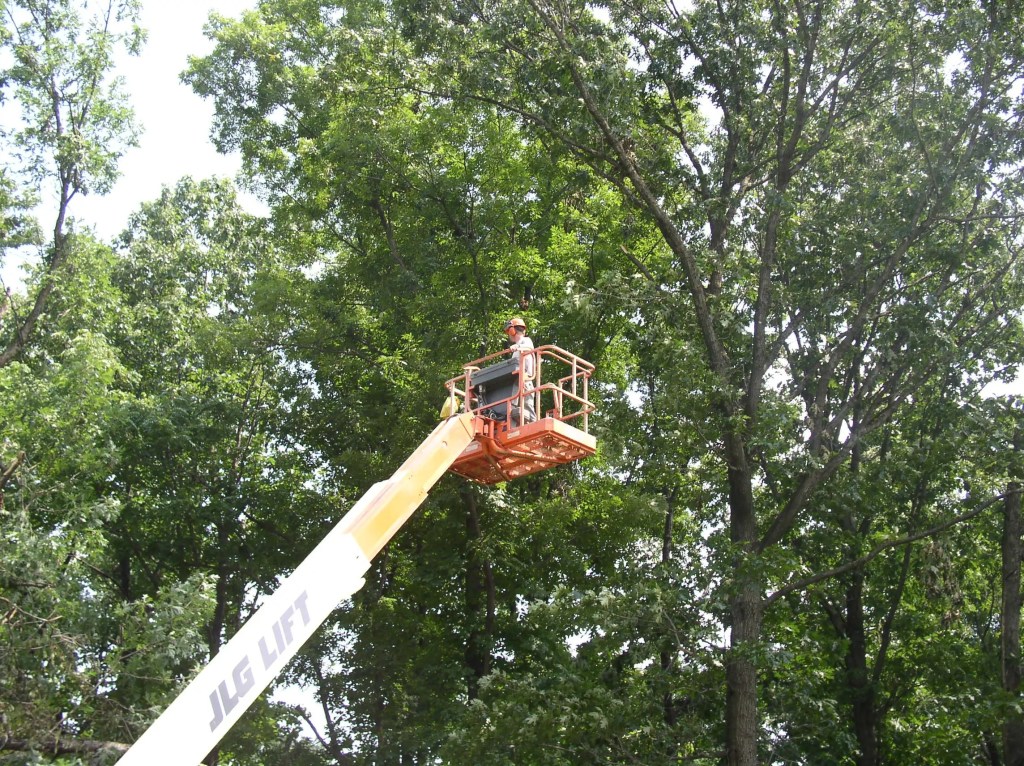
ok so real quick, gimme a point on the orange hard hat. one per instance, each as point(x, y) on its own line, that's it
point(515, 322)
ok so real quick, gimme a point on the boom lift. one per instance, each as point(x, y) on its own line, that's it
point(507, 427)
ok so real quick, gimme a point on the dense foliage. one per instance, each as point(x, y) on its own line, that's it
point(787, 234)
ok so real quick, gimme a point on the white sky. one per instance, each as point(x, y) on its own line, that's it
point(175, 122)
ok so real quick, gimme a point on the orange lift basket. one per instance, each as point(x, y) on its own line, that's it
point(523, 426)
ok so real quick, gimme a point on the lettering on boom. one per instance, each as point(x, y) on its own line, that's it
point(225, 697)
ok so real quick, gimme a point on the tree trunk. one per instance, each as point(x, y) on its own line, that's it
point(1013, 728)
point(745, 611)
point(741, 677)
point(53, 267)
point(215, 629)
point(991, 748)
point(333, 746)
point(668, 658)
point(480, 595)
point(857, 677)
point(64, 746)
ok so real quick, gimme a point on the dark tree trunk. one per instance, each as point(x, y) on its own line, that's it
point(745, 612)
point(668, 657)
point(480, 596)
point(124, 570)
point(741, 677)
point(991, 750)
point(1013, 728)
point(858, 678)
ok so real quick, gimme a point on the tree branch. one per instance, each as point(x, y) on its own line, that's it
point(7, 472)
point(62, 746)
point(881, 548)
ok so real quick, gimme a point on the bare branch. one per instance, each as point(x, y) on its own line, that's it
point(881, 548)
point(63, 746)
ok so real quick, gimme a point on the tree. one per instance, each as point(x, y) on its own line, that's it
point(72, 127)
point(67, 636)
point(818, 201)
point(158, 495)
point(1013, 727)
point(213, 488)
point(432, 221)
point(765, 213)
point(74, 122)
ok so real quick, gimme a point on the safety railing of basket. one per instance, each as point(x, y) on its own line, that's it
point(561, 388)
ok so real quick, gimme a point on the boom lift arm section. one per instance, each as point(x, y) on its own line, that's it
point(210, 705)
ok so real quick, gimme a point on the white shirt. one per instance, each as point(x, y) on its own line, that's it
point(518, 350)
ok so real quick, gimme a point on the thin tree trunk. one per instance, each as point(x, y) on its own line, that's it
point(480, 594)
point(667, 655)
point(64, 746)
point(215, 629)
point(991, 749)
point(858, 679)
point(55, 264)
point(1013, 728)
point(334, 746)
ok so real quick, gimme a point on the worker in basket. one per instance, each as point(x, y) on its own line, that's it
point(522, 352)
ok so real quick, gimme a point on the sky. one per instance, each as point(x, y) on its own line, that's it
point(175, 122)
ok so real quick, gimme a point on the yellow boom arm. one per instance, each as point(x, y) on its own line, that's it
point(203, 713)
